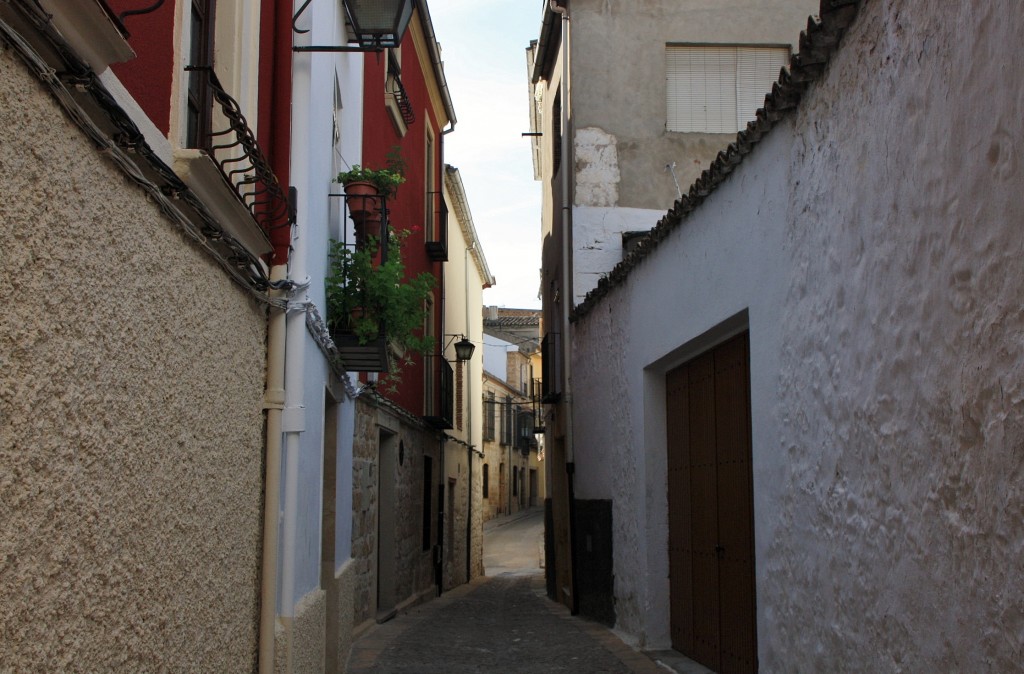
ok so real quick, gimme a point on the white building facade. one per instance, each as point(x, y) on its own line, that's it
point(864, 252)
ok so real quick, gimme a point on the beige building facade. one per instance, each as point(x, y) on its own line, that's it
point(131, 409)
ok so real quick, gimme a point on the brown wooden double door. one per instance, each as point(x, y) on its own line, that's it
point(711, 532)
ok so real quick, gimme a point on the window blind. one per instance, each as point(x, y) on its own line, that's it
point(717, 89)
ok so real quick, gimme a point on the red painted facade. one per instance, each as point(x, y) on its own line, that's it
point(149, 78)
point(408, 208)
point(149, 75)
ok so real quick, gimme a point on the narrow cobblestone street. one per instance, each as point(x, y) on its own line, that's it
point(499, 623)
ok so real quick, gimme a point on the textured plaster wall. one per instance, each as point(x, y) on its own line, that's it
point(872, 241)
point(343, 584)
point(131, 377)
point(299, 639)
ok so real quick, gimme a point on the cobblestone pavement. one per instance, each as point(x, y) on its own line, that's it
point(498, 625)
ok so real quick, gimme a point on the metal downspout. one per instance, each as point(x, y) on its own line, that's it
point(274, 404)
point(567, 297)
point(469, 422)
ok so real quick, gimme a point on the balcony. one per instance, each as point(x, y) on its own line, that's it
point(536, 400)
point(437, 234)
point(351, 301)
point(551, 368)
point(441, 403)
point(230, 174)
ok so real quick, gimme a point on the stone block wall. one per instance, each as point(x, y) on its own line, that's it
point(414, 571)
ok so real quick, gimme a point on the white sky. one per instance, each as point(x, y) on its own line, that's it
point(483, 46)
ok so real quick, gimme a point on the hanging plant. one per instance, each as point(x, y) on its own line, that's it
point(369, 298)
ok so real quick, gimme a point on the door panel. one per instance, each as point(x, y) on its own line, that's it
point(680, 544)
point(711, 562)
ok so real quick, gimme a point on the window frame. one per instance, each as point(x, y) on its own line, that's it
point(697, 100)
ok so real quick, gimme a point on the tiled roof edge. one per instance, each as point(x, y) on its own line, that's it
point(817, 43)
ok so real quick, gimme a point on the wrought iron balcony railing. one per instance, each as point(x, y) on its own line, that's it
point(437, 231)
point(152, 7)
point(441, 410)
point(551, 368)
point(233, 148)
point(536, 399)
point(397, 90)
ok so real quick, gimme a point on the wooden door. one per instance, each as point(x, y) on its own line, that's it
point(711, 542)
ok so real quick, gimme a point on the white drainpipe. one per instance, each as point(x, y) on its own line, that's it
point(274, 404)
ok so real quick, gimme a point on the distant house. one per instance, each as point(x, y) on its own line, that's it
point(466, 277)
point(513, 453)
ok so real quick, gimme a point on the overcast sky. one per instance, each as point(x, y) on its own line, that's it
point(483, 45)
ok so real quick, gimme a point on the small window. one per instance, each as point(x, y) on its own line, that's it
point(718, 89)
point(489, 419)
point(486, 481)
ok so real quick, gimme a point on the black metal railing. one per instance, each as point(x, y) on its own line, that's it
point(138, 12)
point(437, 235)
point(441, 413)
point(397, 90)
point(238, 156)
point(524, 430)
point(551, 368)
point(360, 355)
point(536, 400)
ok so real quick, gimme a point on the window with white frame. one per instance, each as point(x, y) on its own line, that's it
point(718, 88)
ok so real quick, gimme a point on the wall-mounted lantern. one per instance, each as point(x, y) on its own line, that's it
point(376, 24)
point(464, 349)
point(379, 24)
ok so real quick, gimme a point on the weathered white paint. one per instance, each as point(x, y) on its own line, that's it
point(597, 241)
point(871, 245)
point(597, 168)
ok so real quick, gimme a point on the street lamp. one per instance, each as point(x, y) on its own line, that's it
point(464, 349)
point(377, 25)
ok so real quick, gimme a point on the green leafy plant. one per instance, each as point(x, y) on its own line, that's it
point(386, 180)
point(369, 298)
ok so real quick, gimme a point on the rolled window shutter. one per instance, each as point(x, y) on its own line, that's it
point(717, 89)
point(757, 68)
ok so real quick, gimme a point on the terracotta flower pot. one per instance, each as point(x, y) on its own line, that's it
point(367, 226)
point(363, 197)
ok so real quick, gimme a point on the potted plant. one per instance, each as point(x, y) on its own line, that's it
point(371, 302)
point(363, 189)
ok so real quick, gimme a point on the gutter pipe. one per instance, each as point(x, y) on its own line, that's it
point(273, 402)
point(469, 422)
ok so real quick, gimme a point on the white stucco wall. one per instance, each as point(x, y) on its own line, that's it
point(871, 245)
point(496, 352)
point(597, 241)
point(313, 168)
